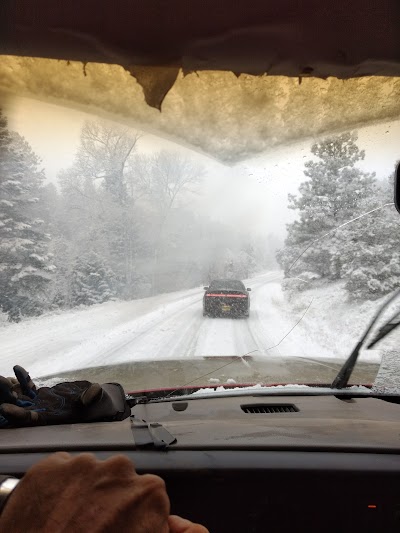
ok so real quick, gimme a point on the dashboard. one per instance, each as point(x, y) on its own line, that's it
point(250, 463)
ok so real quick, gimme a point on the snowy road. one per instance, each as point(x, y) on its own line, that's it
point(168, 326)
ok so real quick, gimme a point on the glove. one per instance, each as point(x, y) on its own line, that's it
point(17, 391)
point(21, 404)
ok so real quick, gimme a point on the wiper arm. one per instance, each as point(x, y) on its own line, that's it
point(343, 376)
point(386, 329)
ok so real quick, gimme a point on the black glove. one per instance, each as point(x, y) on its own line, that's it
point(65, 403)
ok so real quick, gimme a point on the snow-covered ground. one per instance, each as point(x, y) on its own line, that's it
point(337, 322)
point(172, 326)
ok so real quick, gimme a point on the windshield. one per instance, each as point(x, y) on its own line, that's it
point(115, 216)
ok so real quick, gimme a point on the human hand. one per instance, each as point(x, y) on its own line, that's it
point(181, 525)
point(79, 494)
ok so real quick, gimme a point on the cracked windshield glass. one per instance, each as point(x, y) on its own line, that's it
point(243, 233)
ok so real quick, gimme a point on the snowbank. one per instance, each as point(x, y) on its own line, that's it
point(336, 321)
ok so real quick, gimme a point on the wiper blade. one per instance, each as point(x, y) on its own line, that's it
point(386, 329)
point(343, 376)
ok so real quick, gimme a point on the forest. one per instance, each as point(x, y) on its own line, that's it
point(121, 223)
point(118, 224)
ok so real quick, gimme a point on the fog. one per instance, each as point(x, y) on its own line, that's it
point(253, 192)
point(157, 209)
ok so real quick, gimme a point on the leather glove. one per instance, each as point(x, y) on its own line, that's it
point(22, 404)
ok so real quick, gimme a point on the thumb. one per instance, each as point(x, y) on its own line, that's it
point(18, 415)
point(178, 524)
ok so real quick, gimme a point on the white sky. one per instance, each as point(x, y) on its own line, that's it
point(252, 193)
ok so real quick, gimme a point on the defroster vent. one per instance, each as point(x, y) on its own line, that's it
point(269, 408)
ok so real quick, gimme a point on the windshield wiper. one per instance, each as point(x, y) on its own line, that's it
point(343, 376)
point(389, 326)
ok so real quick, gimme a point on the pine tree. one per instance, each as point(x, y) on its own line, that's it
point(371, 255)
point(92, 281)
point(24, 262)
point(335, 192)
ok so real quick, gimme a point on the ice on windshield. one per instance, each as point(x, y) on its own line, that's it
point(109, 232)
point(231, 118)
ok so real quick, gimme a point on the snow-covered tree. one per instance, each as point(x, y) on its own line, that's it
point(92, 281)
point(98, 190)
point(335, 191)
point(371, 253)
point(25, 265)
point(164, 178)
point(245, 264)
point(105, 154)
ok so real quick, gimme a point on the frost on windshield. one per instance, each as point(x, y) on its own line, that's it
point(226, 116)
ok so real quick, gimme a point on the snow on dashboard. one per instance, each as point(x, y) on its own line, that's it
point(287, 388)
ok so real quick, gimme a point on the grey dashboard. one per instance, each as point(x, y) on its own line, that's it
point(242, 463)
point(322, 423)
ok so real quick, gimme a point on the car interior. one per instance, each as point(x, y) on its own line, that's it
point(250, 460)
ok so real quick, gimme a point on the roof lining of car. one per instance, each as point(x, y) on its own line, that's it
point(355, 38)
point(259, 50)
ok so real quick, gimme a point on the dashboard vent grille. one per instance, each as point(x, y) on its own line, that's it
point(269, 408)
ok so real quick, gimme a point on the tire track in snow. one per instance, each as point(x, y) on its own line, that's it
point(151, 339)
point(184, 341)
point(257, 327)
point(50, 340)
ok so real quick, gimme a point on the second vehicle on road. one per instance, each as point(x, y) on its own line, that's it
point(226, 297)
